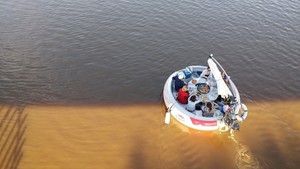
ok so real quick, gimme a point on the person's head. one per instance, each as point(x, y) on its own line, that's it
point(223, 74)
point(209, 105)
point(208, 68)
point(185, 88)
point(181, 77)
point(194, 81)
point(193, 98)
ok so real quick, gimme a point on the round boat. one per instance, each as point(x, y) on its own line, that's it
point(220, 92)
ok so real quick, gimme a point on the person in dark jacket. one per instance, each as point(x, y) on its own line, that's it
point(179, 83)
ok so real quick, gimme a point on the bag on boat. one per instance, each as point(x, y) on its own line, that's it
point(187, 72)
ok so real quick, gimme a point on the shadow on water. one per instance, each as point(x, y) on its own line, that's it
point(137, 156)
point(12, 129)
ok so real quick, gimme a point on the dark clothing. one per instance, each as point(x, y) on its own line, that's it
point(207, 114)
point(178, 83)
point(199, 106)
point(220, 104)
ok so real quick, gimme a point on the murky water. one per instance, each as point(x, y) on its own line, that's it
point(105, 137)
point(81, 82)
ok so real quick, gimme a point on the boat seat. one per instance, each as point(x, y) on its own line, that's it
point(198, 113)
point(196, 74)
point(175, 94)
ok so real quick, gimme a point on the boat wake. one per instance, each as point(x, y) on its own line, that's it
point(244, 158)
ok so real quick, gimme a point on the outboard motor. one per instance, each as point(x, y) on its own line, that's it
point(233, 123)
point(235, 126)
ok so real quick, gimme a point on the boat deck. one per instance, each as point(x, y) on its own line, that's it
point(209, 97)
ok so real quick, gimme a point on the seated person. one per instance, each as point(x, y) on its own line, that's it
point(198, 96)
point(225, 78)
point(221, 103)
point(191, 103)
point(198, 111)
point(199, 106)
point(209, 109)
point(192, 85)
point(226, 109)
point(219, 99)
point(179, 81)
point(205, 74)
point(183, 95)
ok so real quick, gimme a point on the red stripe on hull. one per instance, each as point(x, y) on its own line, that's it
point(203, 123)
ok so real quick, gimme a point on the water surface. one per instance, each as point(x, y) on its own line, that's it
point(102, 136)
point(81, 82)
point(75, 52)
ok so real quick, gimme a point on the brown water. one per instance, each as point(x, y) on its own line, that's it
point(81, 82)
point(97, 137)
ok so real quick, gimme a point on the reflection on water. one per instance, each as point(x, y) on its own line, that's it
point(86, 52)
point(135, 136)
